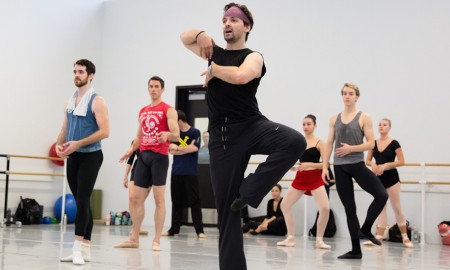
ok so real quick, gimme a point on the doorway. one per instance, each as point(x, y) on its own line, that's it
point(192, 100)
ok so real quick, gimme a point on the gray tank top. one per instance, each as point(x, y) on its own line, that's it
point(350, 134)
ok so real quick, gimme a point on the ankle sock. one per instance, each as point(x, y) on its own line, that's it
point(86, 251)
point(77, 257)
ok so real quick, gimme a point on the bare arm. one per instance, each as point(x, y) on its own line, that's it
point(127, 172)
point(199, 42)
point(173, 134)
point(62, 136)
point(369, 158)
point(250, 69)
point(328, 148)
point(368, 133)
point(179, 151)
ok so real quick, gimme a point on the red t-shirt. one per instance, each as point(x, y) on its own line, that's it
point(153, 120)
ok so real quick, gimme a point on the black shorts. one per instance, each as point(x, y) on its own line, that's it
point(389, 178)
point(151, 169)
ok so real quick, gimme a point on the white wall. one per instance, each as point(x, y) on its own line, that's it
point(396, 51)
point(40, 41)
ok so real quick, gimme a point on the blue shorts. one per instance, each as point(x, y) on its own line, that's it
point(151, 169)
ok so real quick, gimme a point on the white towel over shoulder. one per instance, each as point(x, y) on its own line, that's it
point(81, 109)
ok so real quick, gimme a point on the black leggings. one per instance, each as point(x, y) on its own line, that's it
point(369, 182)
point(82, 171)
point(231, 146)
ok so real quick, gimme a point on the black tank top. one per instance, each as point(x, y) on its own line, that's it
point(236, 102)
point(311, 154)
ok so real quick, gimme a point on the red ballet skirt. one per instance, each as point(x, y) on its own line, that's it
point(308, 180)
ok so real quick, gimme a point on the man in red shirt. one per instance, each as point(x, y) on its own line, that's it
point(157, 127)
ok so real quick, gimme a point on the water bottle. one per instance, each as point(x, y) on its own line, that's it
point(108, 219)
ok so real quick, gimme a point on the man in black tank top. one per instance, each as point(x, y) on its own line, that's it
point(238, 129)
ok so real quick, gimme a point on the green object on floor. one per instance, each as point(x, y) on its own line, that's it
point(96, 203)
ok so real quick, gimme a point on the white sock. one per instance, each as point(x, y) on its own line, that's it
point(77, 258)
point(86, 252)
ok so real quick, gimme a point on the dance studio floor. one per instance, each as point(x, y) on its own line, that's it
point(40, 246)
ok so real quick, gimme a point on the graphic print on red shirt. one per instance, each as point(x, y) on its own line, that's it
point(153, 120)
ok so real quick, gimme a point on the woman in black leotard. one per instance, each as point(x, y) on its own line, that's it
point(308, 181)
point(385, 152)
point(273, 223)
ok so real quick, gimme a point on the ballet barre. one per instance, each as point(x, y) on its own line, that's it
point(422, 182)
point(7, 173)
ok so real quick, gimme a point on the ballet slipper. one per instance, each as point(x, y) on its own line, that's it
point(371, 238)
point(127, 244)
point(143, 232)
point(322, 245)
point(168, 233)
point(407, 243)
point(288, 242)
point(201, 235)
point(156, 246)
point(368, 243)
point(351, 255)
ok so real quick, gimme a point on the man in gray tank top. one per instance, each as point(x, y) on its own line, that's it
point(347, 132)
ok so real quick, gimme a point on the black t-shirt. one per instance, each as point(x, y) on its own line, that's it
point(388, 154)
point(236, 102)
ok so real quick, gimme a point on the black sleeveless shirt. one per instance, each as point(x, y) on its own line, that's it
point(311, 154)
point(236, 102)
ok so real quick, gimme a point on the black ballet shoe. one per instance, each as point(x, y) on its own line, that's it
point(246, 228)
point(371, 238)
point(351, 255)
point(237, 205)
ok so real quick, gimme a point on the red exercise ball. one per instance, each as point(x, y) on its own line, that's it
point(52, 153)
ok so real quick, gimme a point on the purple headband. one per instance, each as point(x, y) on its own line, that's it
point(236, 12)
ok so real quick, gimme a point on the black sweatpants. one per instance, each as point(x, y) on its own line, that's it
point(369, 182)
point(82, 171)
point(185, 188)
point(231, 146)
